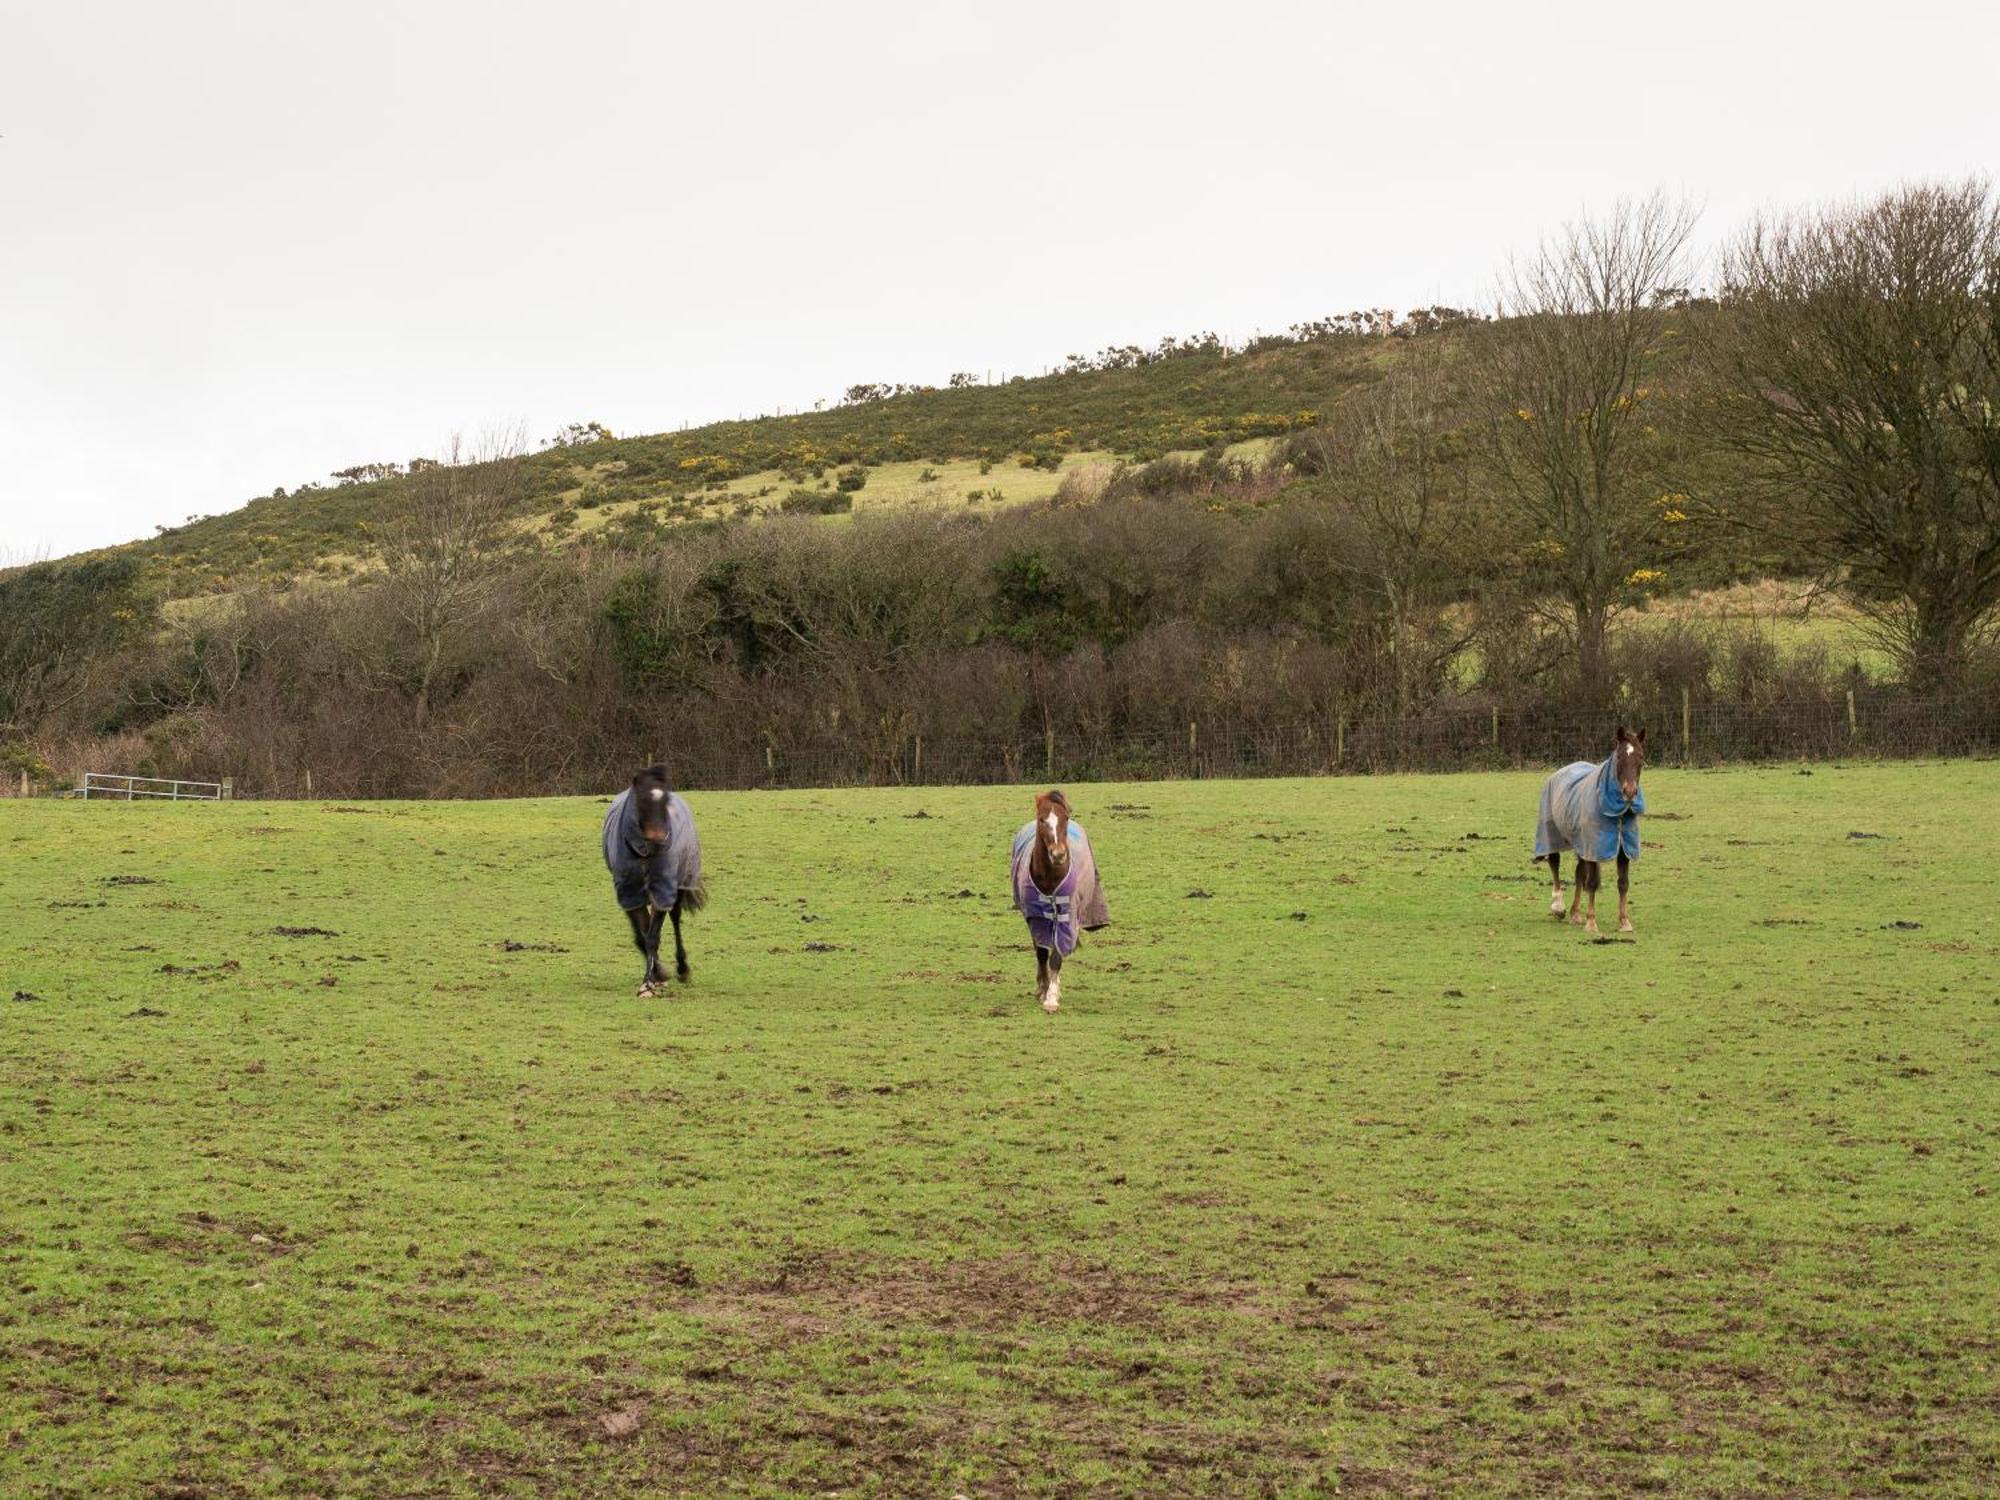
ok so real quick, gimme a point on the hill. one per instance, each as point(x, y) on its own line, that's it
point(1006, 442)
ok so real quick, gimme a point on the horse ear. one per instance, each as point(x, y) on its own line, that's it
point(1641, 736)
point(1623, 734)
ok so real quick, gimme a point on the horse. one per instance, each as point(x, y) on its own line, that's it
point(1056, 890)
point(1594, 809)
point(653, 853)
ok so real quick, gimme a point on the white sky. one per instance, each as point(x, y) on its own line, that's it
point(243, 244)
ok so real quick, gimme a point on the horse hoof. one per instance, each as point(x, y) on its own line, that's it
point(1052, 1005)
point(1556, 910)
point(646, 991)
point(1625, 927)
point(1591, 928)
point(684, 975)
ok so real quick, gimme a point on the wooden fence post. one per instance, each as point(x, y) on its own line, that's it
point(1853, 724)
point(229, 789)
point(919, 774)
point(24, 769)
point(309, 783)
point(1049, 753)
point(1687, 727)
point(1496, 729)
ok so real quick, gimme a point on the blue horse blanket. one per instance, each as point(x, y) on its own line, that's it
point(1076, 906)
point(648, 874)
point(1583, 809)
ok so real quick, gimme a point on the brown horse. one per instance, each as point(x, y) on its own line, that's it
point(1056, 890)
point(1594, 810)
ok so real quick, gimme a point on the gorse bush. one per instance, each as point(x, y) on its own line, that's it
point(819, 502)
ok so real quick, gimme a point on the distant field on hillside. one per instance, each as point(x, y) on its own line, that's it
point(340, 1158)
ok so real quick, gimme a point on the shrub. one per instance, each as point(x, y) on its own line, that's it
point(817, 503)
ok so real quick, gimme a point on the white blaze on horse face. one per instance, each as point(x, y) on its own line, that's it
point(657, 795)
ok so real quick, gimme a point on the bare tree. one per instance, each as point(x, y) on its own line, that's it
point(1396, 460)
point(1857, 365)
point(1573, 444)
point(441, 553)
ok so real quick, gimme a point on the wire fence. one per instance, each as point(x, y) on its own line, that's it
point(1680, 733)
point(718, 754)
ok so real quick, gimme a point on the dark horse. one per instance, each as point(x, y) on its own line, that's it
point(654, 855)
point(1594, 809)
point(1056, 890)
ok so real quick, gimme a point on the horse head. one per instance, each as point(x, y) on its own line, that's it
point(1628, 758)
point(1052, 827)
point(650, 792)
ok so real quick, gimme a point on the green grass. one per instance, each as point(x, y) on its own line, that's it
point(1356, 1175)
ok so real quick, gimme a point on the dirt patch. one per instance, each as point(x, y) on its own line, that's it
point(807, 1292)
point(130, 880)
point(304, 932)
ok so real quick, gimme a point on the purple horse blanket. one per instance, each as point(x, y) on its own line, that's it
point(1076, 906)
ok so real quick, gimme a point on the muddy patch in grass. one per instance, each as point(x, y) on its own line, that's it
point(813, 1291)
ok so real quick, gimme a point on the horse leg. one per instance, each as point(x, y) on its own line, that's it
point(1556, 875)
point(640, 921)
point(1577, 886)
point(681, 970)
point(656, 973)
point(1042, 974)
point(1624, 890)
point(1052, 1001)
point(1590, 915)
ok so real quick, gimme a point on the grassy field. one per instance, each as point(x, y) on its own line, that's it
point(338, 1158)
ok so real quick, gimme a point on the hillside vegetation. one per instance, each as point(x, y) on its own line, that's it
point(1507, 526)
point(1000, 443)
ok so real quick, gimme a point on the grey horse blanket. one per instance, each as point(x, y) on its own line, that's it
point(1583, 809)
point(648, 874)
point(1076, 906)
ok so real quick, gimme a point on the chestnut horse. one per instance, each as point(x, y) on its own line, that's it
point(1056, 890)
point(1594, 810)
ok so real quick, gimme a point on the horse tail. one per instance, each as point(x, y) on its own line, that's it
point(694, 897)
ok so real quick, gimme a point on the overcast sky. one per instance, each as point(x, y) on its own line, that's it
point(245, 244)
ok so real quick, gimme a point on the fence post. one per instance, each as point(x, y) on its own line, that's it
point(1496, 729)
point(1194, 751)
point(1339, 738)
point(1049, 753)
point(918, 775)
point(309, 783)
point(1853, 725)
point(229, 789)
point(1687, 727)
